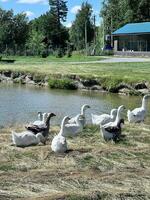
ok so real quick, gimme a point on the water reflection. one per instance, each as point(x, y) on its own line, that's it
point(20, 104)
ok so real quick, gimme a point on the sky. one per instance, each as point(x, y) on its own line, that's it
point(34, 8)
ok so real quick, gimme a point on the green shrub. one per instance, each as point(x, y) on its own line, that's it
point(59, 53)
point(62, 84)
point(44, 54)
point(111, 84)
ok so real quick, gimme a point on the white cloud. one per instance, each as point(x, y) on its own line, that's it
point(75, 9)
point(4, 0)
point(28, 13)
point(33, 1)
point(69, 25)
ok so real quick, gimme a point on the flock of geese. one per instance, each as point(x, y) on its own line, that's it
point(110, 126)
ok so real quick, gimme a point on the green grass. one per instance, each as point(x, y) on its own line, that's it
point(107, 73)
point(62, 84)
point(37, 59)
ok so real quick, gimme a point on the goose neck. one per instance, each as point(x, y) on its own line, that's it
point(144, 103)
point(83, 110)
point(62, 126)
point(118, 117)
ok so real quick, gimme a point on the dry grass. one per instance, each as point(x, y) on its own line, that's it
point(92, 170)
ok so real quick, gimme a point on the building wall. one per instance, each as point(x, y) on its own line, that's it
point(132, 42)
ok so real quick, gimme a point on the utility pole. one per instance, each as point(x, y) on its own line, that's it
point(103, 33)
point(94, 19)
point(85, 31)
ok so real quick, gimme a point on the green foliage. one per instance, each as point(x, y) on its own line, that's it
point(116, 13)
point(13, 31)
point(83, 21)
point(62, 84)
point(59, 53)
point(110, 83)
point(35, 43)
point(59, 10)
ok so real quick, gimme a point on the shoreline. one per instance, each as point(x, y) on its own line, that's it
point(78, 82)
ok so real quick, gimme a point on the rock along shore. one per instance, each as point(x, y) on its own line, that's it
point(81, 83)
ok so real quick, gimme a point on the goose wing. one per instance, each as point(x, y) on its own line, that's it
point(100, 119)
point(113, 129)
point(72, 120)
point(35, 129)
point(138, 111)
point(72, 129)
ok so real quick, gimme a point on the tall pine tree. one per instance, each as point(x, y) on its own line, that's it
point(58, 10)
point(83, 24)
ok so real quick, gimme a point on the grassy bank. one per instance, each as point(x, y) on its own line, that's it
point(126, 71)
point(92, 170)
point(108, 74)
point(37, 59)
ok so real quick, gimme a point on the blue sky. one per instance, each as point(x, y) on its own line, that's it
point(35, 8)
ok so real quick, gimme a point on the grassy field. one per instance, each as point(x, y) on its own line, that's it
point(109, 72)
point(92, 170)
point(73, 58)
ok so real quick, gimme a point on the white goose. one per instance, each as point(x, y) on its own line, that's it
point(82, 116)
point(27, 138)
point(112, 130)
point(59, 143)
point(138, 114)
point(41, 122)
point(44, 130)
point(104, 118)
point(73, 129)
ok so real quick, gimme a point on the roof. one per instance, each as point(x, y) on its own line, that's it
point(133, 28)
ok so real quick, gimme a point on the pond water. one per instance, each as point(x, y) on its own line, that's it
point(20, 104)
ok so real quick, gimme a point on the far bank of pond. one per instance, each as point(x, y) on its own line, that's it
point(19, 104)
point(74, 81)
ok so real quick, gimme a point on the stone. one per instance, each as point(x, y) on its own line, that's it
point(89, 82)
point(139, 86)
point(124, 91)
point(96, 87)
point(144, 91)
point(7, 73)
point(79, 85)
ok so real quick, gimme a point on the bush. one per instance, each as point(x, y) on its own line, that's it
point(107, 53)
point(62, 84)
point(44, 54)
point(59, 53)
point(111, 84)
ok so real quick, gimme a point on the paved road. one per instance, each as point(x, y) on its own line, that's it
point(123, 59)
point(115, 60)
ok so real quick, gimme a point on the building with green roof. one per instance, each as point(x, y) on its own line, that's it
point(134, 37)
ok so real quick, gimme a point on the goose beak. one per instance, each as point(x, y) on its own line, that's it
point(53, 115)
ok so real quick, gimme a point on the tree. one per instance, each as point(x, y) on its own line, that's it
point(139, 10)
point(58, 12)
point(21, 30)
point(58, 9)
point(13, 30)
point(82, 30)
point(116, 13)
point(54, 37)
point(35, 43)
point(6, 29)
